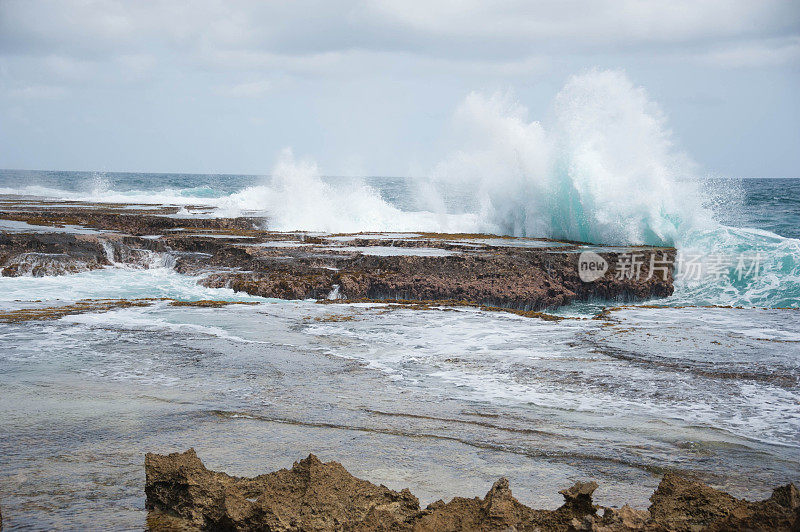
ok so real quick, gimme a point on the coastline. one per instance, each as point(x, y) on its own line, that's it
point(375, 266)
point(523, 274)
point(129, 350)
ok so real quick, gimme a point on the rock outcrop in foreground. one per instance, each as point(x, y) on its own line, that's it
point(312, 495)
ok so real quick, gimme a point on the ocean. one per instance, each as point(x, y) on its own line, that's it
point(713, 219)
point(706, 381)
point(767, 204)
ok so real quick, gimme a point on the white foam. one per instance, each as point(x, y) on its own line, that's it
point(761, 333)
point(603, 170)
point(145, 319)
point(113, 283)
point(297, 198)
point(489, 357)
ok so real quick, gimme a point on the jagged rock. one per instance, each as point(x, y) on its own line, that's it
point(312, 495)
point(499, 510)
point(685, 505)
point(578, 498)
point(625, 518)
point(787, 496)
point(780, 512)
point(682, 504)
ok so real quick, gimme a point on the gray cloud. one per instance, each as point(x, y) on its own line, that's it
point(506, 28)
point(762, 53)
point(376, 71)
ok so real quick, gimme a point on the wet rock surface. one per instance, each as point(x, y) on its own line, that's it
point(314, 495)
point(523, 274)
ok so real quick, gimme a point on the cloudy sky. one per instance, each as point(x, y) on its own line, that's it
point(370, 87)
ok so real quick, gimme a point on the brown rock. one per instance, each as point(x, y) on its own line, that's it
point(780, 512)
point(499, 510)
point(682, 504)
point(625, 518)
point(685, 505)
point(310, 496)
point(183, 495)
point(578, 498)
point(512, 276)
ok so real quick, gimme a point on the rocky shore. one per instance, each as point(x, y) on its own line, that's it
point(38, 239)
point(277, 375)
point(314, 495)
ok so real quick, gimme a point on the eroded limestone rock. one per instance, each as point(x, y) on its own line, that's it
point(312, 495)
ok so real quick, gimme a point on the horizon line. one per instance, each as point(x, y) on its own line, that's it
point(232, 174)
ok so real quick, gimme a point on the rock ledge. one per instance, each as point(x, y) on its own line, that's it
point(183, 495)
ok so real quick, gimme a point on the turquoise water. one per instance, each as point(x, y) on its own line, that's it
point(440, 401)
point(443, 401)
point(767, 204)
point(753, 224)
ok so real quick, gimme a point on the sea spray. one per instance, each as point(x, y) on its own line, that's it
point(602, 170)
point(296, 197)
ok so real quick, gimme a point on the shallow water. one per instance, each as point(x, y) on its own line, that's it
point(13, 226)
point(442, 401)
